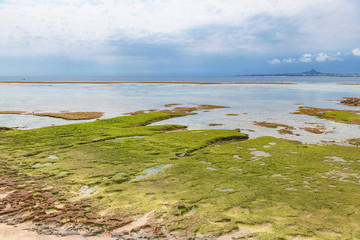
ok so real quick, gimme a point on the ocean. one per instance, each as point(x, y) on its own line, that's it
point(231, 79)
point(252, 102)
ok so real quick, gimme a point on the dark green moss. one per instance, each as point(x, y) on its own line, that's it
point(5, 129)
point(342, 116)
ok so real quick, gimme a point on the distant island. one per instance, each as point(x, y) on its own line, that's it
point(312, 72)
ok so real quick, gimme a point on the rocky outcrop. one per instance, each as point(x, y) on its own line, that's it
point(351, 101)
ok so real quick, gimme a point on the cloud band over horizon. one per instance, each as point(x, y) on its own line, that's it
point(155, 36)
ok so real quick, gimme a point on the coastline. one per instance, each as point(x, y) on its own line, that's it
point(190, 83)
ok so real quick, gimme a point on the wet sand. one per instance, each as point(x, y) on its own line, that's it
point(19, 232)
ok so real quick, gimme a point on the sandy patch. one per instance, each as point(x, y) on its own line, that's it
point(4, 195)
point(135, 225)
point(246, 230)
point(19, 232)
point(85, 190)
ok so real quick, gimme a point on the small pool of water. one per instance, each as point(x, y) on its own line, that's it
point(211, 168)
point(150, 171)
point(224, 189)
point(44, 164)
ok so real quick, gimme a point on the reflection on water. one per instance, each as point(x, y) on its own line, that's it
point(211, 168)
point(252, 102)
point(151, 171)
point(44, 164)
point(224, 189)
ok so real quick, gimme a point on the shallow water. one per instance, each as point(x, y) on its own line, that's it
point(252, 102)
point(297, 79)
point(211, 168)
point(224, 189)
point(44, 164)
point(151, 171)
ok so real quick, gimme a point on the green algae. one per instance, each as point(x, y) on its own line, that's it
point(341, 116)
point(354, 141)
point(285, 190)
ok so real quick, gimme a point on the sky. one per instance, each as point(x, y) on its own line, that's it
point(178, 37)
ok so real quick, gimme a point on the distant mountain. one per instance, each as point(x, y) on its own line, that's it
point(312, 72)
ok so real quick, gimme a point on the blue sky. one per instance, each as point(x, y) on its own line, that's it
point(178, 37)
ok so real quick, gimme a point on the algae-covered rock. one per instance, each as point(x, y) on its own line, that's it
point(351, 101)
point(5, 129)
point(121, 177)
point(224, 185)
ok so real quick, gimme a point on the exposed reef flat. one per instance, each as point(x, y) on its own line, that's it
point(215, 124)
point(287, 129)
point(67, 115)
point(273, 125)
point(348, 83)
point(350, 101)
point(85, 179)
point(180, 110)
point(318, 129)
point(5, 129)
point(354, 141)
point(341, 116)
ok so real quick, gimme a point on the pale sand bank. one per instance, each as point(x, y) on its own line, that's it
point(8, 232)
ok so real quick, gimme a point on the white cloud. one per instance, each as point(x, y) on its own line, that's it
point(323, 57)
point(274, 61)
point(289, 60)
point(356, 51)
point(306, 58)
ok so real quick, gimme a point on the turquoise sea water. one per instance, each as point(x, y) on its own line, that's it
point(270, 102)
